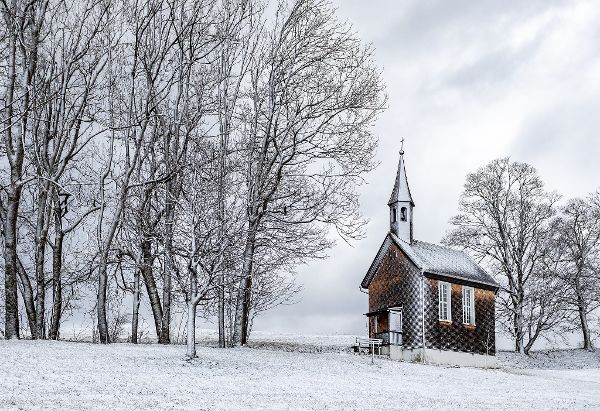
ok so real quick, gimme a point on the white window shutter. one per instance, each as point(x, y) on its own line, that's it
point(464, 301)
point(445, 301)
point(472, 306)
point(440, 299)
point(449, 299)
point(468, 299)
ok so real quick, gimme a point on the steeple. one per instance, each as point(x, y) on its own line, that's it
point(401, 204)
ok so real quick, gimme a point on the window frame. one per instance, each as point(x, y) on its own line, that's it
point(445, 290)
point(468, 305)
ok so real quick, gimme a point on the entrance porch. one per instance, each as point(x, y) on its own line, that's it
point(386, 324)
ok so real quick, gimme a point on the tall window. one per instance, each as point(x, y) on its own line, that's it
point(468, 298)
point(393, 215)
point(445, 308)
point(403, 214)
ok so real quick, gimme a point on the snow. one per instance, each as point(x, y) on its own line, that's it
point(552, 359)
point(286, 372)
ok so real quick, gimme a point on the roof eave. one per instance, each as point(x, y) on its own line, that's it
point(373, 267)
point(461, 278)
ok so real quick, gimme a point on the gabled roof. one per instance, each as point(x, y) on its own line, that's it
point(433, 259)
point(401, 191)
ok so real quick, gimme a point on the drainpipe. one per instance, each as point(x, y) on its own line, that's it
point(423, 312)
point(362, 290)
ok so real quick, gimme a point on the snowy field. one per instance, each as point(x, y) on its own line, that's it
point(287, 372)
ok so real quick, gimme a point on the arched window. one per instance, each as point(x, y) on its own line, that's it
point(403, 214)
point(394, 217)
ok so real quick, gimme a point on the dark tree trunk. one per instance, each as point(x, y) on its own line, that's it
point(15, 153)
point(136, 307)
point(224, 132)
point(151, 289)
point(165, 337)
point(221, 311)
point(41, 237)
point(518, 323)
point(246, 309)
point(56, 285)
point(27, 294)
point(11, 324)
point(240, 335)
point(102, 290)
point(585, 329)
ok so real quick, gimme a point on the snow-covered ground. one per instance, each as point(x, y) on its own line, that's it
point(281, 372)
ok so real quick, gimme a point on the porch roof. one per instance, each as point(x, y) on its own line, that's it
point(383, 310)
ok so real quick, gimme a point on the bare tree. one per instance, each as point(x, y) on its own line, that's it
point(180, 84)
point(195, 141)
point(25, 25)
point(313, 95)
point(144, 60)
point(203, 245)
point(63, 125)
point(504, 221)
point(180, 116)
point(578, 248)
point(238, 28)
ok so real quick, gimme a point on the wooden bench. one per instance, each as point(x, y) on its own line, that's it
point(370, 343)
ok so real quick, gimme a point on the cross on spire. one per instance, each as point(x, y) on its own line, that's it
point(402, 146)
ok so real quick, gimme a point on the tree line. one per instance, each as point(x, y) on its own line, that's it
point(189, 153)
point(544, 252)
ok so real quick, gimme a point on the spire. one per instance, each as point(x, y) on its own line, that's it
point(401, 191)
point(401, 204)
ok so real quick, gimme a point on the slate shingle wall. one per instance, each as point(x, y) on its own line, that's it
point(457, 336)
point(397, 284)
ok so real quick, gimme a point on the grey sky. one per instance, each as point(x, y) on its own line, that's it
point(468, 81)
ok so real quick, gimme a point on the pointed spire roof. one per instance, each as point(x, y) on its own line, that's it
point(401, 190)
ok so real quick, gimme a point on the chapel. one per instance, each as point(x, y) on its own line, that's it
point(428, 302)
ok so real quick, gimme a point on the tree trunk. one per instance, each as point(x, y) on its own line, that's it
point(11, 324)
point(223, 143)
point(27, 294)
point(246, 309)
point(587, 340)
point(14, 150)
point(102, 289)
point(165, 337)
point(518, 323)
point(151, 289)
point(41, 237)
point(243, 298)
point(220, 274)
point(56, 284)
point(136, 307)
point(519, 333)
point(193, 301)
point(221, 310)
point(103, 332)
point(191, 328)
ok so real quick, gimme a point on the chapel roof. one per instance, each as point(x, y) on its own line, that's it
point(433, 259)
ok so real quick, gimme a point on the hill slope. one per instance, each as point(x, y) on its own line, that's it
point(53, 375)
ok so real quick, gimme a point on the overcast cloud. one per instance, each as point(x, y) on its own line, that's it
point(468, 81)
